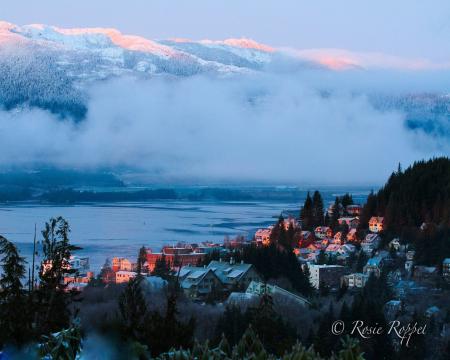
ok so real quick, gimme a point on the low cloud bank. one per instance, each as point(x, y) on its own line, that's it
point(290, 127)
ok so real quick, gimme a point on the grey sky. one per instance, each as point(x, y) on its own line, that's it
point(409, 28)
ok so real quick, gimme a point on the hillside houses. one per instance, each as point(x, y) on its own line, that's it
point(354, 210)
point(322, 232)
point(123, 276)
point(218, 275)
point(376, 224)
point(325, 275)
point(234, 275)
point(352, 235)
point(351, 222)
point(262, 236)
point(374, 266)
point(370, 243)
point(198, 281)
point(176, 256)
point(355, 280)
point(446, 269)
point(122, 264)
point(338, 238)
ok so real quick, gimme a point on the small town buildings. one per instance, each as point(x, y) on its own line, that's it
point(352, 235)
point(328, 275)
point(355, 280)
point(81, 264)
point(122, 264)
point(374, 266)
point(392, 309)
point(446, 269)
point(262, 236)
point(234, 275)
point(395, 244)
point(176, 256)
point(198, 281)
point(347, 249)
point(79, 278)
point(208, 248)
point(333, 249)
point(376, 224)
point(405, 288)
point(409, 265)
point(410, 254)
point(422, 273)
point(338, 238)
point(330, 209)
point(432, 311)
point(370, 243)
point(353, 210)
point(351, 222)
point(322, 232)
point(123, 276)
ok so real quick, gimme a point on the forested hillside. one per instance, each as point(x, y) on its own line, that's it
point(418, 195)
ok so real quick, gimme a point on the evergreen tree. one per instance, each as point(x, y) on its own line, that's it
point(306, 214)
point(317, 209)
point(232, 324)
point(162, 268)
point(282, 239)
point(141, 260)
point(325, 342)
point(14, 322)
point(53, 300)
point(133, 309)
point(346, 200)
point(368, 211)
point(336, 214)
point(167, 331)
point(290, 236)
point(361, 261)
point(276, 335)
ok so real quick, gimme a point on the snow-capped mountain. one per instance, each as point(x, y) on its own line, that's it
point(49, 67)
point(95, 53)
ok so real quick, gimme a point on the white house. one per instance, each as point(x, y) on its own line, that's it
point(328, 275)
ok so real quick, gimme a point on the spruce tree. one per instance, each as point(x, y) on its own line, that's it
point(53, 312)
point(317, 210)
point(14, 321)
point(133, 309)
point(306, 214)
point(162, 268)
point(141, 260)
point(336, 214)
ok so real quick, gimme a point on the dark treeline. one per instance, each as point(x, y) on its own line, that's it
point(313, 214)
point(50, 178)
point(418, 196)
point(30, 312)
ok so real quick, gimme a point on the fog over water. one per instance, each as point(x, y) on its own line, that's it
point(288, 128)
